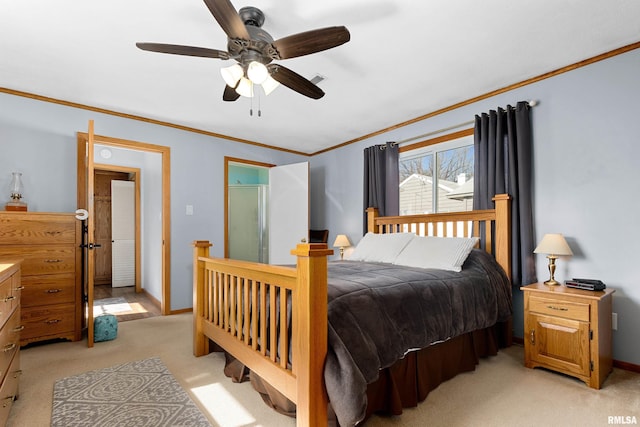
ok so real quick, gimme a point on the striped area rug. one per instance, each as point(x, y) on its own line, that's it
point(140, 393)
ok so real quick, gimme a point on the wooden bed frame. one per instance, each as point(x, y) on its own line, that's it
point(226, 290)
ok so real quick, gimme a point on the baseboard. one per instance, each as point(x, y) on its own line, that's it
point(182, 310)
point(616, 363)
point(626, 366)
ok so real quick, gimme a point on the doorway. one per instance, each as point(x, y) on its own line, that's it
point(132, 150)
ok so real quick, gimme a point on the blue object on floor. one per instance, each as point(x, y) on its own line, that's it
point(105, 327)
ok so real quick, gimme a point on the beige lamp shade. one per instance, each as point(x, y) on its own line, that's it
point(553, 244)
point(342, 241)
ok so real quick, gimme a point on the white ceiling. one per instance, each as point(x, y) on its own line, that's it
point(405, 58)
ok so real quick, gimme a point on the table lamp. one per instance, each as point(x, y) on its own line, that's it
point(553, 245)
point(342, 241)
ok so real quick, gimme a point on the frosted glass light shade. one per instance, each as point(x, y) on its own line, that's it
point(232, 74)
point(245, 87)
point(257, 72)
point(269, 85)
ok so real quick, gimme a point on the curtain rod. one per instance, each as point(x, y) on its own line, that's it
point(532, 103)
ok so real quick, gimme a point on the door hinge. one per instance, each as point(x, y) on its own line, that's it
point(591, 365)
point(590, 335)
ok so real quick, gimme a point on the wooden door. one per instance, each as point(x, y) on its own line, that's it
point(90, 232)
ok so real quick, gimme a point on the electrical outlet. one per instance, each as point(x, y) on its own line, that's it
point(189, 210)
point(614, 321)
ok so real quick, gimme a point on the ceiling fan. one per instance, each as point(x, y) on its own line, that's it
point(254, 50)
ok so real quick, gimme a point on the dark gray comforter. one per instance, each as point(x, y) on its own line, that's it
point(379, 312)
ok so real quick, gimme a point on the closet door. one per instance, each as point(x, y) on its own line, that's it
point(288, 210)
point(123, 233)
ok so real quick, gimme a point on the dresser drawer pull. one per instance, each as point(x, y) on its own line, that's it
point(52, 260)
point(18, 328)
point(9, 298)
point(553, 307)
point(52, 233)
point(19, 288)
point(52, 321)
point(9, 347)
point(17, 373)
point(532, 336)
point(53, 291)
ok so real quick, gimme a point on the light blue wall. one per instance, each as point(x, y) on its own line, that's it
point(586, 156)
point(39, 140)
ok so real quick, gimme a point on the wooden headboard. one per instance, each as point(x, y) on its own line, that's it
point(494, 225)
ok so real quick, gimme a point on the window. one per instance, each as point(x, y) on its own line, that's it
point(450, 188)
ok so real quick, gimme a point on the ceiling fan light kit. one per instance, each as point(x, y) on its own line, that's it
point(254, 50)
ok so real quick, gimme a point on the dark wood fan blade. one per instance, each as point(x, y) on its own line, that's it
point(230, 94)
point(295, 81)
point(228, 19)
point(184, 50)
point(311, 41)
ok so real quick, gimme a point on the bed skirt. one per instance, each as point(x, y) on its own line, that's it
point(407, 382)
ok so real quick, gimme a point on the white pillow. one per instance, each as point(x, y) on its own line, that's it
point(375, 247)
point(445, 253)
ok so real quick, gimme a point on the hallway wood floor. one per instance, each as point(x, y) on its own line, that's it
point(141, 304)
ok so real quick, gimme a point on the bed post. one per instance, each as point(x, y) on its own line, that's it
point(311, 333)
point(503, 230)
point(200, 341)
point(372, 214)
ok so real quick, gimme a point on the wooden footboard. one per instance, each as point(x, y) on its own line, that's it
point(242, 306)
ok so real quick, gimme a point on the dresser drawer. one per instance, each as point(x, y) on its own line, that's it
point(47, 322)
point(9, 388)
point(6, 300)
point(39, 229)
point(558, 308)
point(9, 340)
point(50, 289)
point(43, 259)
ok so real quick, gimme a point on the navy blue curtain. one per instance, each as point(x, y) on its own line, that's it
point(381, 180)
point(503, 152)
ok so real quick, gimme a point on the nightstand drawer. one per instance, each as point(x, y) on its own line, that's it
point(566, 309)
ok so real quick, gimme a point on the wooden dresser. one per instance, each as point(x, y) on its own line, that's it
point(49, 246)
point(10, 328)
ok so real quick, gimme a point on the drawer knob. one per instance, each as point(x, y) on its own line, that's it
point(9, 347)
point(553, 307)
point(52, 321)
point(53, 291)
point(52, 260)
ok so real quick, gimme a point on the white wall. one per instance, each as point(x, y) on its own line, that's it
point(586, 153)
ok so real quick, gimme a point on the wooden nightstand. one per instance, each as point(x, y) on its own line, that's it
point(568, 330)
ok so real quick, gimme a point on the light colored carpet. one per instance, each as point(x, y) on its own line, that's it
point(500, 392)
point(142, 393)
